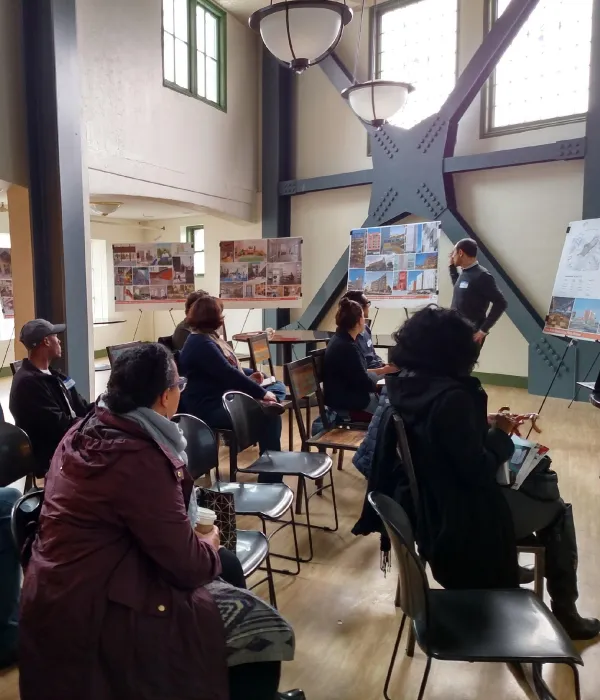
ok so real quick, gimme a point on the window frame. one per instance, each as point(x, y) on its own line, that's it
point(221, 18)
point(376, 13)
point(487, 130)
point(190, 237)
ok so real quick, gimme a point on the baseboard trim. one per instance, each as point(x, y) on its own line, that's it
point(510, 380)
point(100, 353)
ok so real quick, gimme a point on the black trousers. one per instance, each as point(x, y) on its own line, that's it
point(258, 681)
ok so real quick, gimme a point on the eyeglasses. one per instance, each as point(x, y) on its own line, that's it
point(180, 384)
point(368, 303)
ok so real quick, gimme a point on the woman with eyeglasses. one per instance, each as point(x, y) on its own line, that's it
point(122, 597)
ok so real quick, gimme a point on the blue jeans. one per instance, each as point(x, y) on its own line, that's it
point(10, 580)
point(278, 388)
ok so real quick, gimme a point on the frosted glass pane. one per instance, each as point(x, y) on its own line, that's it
point(544, 73)
point(169, 57)
point(418, 44)
point(168, 16)
point(200, 28)
point(181, 64)
point(212, 90)
point(181, 19)
point(201, 87)
point(211, 35)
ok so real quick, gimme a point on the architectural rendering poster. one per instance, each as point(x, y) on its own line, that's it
point(261, 272)
point(6, 284)
point(150, 275)
point(575, 305)
point(396, 265)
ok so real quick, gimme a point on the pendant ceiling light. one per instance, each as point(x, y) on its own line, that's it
point(375, 102)
point(301, 33)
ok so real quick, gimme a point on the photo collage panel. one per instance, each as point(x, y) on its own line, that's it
point(261, 268)
point(395, 261)
point(6, 284)
point(153, 273)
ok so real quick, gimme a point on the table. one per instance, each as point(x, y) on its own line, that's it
point(287, 339)
point(383, 341)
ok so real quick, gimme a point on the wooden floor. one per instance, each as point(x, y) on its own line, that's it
point(342, 608)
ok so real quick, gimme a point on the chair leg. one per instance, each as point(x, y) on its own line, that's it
point(301, 487)
point(540, 572)
point(425, 679)
point(271, 582)
point(296, 556)
point(397, 598)
point(340, 464)
point(541, 689)
point(410, 642)
point(576, 681)
point(291, 429)
point(393, 660)
point(308, 526)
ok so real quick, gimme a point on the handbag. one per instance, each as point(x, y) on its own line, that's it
point(224, 507)
point(542, 483)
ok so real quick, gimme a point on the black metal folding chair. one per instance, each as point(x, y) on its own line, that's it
point(248, 418)
point(268, 502)
point(494, 626)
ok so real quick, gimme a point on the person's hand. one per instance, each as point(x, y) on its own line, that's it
point(503, 422)
point(386, 369)
point(257, 377)
point(213, 537)
point(479, 337)
point(270, 396)
point(451, 260)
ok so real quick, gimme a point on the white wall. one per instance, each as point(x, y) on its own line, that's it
point(520, 213)
point(147, 140)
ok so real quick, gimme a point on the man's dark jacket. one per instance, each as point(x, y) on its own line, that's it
point(464, 527)
point(39, 405)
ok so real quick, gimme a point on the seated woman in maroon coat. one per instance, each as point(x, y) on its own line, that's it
point(122, 597)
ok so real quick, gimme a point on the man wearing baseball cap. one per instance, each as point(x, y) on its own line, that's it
point(43, 401)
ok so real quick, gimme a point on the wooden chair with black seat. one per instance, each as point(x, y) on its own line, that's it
point(493, 626)
point(404, 454)
point(248, 419)
point(260, 355)
point(16, 457)
point(268, 502)
point(240, 356)
point(309, 375)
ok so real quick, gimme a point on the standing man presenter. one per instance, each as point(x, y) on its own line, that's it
point(474, 289)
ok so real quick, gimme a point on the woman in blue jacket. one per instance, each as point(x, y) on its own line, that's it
point(212, 369)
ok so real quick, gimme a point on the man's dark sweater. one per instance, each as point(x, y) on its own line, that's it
point(474, 290)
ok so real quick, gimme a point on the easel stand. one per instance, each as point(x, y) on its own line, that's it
point(572, 343)
point(587, 374)
point(138, 325)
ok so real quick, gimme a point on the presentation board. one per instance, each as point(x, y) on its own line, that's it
point(575, 304)
point(152, 275)
point(261, 273)
point(6, 284)
point(395, 265)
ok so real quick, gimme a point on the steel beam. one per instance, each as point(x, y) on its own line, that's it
point(572, 149)
point(277, 109)
point(54, 120)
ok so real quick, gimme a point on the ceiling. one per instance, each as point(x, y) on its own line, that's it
point(242, 9)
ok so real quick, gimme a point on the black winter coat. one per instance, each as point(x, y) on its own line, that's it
point(465, 528)
point(346, 383)
point(39, 403)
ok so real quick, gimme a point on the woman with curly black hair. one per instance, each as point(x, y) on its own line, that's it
point(468, 525)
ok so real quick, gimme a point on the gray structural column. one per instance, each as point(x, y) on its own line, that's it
point(277, 111)
point(53, 103)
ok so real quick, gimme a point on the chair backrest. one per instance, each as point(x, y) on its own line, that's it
point(24, 522)
point(16, 455)
point(202, 445)
point(15, 366)
point(167, 341)
point(247, 418)
point(406, 459)
point(413, 585)
point(222, 331)
point(318, 358)
point(113, 351)
point(303, 384)
point(260, 353)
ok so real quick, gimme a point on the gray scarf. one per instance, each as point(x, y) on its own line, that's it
point(169, 436)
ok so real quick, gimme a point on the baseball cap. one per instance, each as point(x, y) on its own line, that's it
point(33, 332)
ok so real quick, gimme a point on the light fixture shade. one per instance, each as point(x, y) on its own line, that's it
point(375, 102)
point(300, 33)
point(104, 208)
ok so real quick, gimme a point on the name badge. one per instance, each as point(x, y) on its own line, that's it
point(369, 343)
point(69, 383)
point(463, 285)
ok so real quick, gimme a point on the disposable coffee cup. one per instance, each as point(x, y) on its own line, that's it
point(206, 520)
